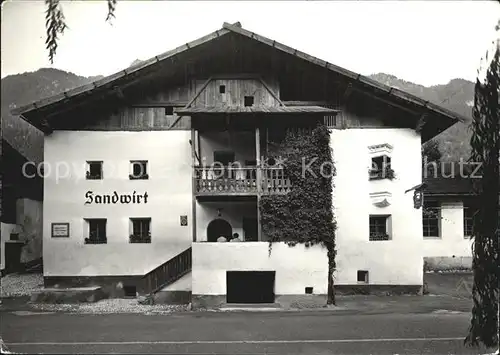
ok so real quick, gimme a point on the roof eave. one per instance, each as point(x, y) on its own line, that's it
point(89, 88)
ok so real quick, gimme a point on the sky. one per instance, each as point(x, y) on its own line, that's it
point(425, 42)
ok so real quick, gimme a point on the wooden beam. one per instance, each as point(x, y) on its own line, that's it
point(198, 93)
point(193, 210)
point(160, 104)
point(271, 92)
point(259, 181)
point(175, 122)
point(308, 103)
point(235, 76)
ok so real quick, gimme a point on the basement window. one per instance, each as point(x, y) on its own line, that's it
point(169, 110)
point(309, 290)
point(248, 101)
point(130, 291)
point(363, 276)
point(222, 89)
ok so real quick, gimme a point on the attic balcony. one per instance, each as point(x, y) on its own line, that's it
point(240, 181)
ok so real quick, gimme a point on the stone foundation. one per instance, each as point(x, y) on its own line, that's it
point(172, 297)
point(111, 286)
point(75, 295)
point(378, 290)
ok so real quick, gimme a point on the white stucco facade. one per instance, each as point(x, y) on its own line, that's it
point(400, 259)
point(452, 248)
point(296, 267)
point(169, 190)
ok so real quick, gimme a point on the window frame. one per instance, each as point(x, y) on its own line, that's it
point(142, 236)
point(468, 220)
point(426, 218)
point(248, 101)
point(99, 239)
point(374, 237)
point(383, 172)
point(88, 174)
point(145, 173)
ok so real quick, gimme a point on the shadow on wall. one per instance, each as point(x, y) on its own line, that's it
point(447, 263)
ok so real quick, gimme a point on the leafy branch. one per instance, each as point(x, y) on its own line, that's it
point(55, 24)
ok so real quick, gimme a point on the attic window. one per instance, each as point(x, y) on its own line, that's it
point(222, 89)
point(248, 101)
point(169, 110)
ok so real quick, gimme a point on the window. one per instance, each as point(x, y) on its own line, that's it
point(139, 170)
point(96, 231)
point(379, 228)
point(94, 170)
point(169, 110)
point(129, 291)
point(309, 290)
point(222, 89)
point(469, 212)
point(248, 101)
point(141, 230)
point(330, 121)
point(363, 276)
point(381, 168)
point(223, 157)
point(430, 217)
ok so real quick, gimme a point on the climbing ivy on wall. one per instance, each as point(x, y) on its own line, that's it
point(304, 215)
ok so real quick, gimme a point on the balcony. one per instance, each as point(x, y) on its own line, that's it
point(240, 181)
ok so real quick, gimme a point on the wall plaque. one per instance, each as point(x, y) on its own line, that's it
point(60, 230)
point(184, 221)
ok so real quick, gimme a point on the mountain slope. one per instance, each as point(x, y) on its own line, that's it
point(22, 89)
point(457, 96)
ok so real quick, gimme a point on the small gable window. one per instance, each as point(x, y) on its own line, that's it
point(169, 110)
point(139, 170)
point(94, 170)
point(248, 101)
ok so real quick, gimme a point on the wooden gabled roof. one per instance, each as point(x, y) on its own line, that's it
point(113, 82)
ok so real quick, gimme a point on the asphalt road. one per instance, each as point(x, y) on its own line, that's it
point(315, 332)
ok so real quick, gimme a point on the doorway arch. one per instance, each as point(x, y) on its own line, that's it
point(219, 227)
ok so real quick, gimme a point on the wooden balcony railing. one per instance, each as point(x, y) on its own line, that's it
point(230, 180)
point(274, 181)
point(226, 180)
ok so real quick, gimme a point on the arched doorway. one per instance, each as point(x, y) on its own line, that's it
point(218, 227)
